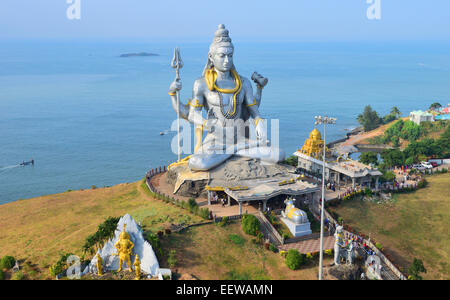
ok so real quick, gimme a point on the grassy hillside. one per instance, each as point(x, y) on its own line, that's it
point(213, 252)
point(37, 230)
point(414, 225)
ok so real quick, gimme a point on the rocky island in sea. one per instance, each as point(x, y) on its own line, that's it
point(138, 54)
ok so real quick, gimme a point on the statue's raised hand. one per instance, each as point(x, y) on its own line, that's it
point(260, 81)
point(175, 86)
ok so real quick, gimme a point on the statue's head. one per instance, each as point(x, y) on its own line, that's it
point(221, 51)
point(124, 235)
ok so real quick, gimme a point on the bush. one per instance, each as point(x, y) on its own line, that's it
point(416, 268)
point(7, 262)
point(60, 266)
point(2, 275)
point(250, 224)
point(236, 239)
point(379, 246)
point(154, 240)
point(273, 248)
point(294, 259)
point(368, 192)
point(93, 187)
point(329, 252)
point(223, 222)
point(283, 253)
point(19, 275)
point(423, 183)
point(105, 231)
point(172, 260)
point(192, 205)
point(204, 213)
point(259, 237)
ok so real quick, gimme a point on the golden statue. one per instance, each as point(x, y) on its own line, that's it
point(137, 267)
point(124, 249)
point(99, 265)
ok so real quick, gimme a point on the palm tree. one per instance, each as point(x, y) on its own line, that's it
point(396, 112)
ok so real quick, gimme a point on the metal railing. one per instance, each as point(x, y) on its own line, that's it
point(276, 237)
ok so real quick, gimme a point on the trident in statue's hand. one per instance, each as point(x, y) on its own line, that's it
point(177, 64)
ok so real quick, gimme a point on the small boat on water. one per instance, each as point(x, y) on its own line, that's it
point(27, 163)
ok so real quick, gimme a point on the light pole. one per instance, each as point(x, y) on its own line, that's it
point(323, 120)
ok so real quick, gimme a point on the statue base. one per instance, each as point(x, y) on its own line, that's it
point(187, 183)
point(236, 171)
point(345, 272)
point(297, 229)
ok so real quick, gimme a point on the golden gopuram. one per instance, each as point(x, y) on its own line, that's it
point(313, 145)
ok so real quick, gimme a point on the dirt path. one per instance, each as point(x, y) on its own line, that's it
point(362, 138)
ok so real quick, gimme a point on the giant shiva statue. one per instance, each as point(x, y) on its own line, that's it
point(229, 103)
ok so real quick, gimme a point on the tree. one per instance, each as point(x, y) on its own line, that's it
point(395, 141)
point(369, 119)
point(388, 176)
point(393, 157)
point(435, 106)
point(369, 158)
point(416, 268)
point(291, 160)
point(411, 131)
point(393, 115)
point(396, 112)
point(410, 160)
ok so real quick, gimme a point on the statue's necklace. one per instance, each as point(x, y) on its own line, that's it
point(231, 112)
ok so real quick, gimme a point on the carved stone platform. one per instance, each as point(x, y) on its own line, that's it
point(240, 176)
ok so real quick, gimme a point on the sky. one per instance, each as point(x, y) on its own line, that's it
point(260, 20)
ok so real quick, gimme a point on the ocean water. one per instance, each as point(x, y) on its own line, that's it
point(88, 117)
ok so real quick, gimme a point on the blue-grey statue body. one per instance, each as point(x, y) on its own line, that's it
point(229, 103)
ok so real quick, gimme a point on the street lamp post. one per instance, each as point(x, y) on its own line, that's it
point(323, 120)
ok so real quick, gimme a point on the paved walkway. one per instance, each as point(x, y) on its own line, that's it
point(310, 246)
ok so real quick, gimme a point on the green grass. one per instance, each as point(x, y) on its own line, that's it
point(217, 253)
point(414, 225)
point(237, 239)
point(246, 275)
point(37, 230)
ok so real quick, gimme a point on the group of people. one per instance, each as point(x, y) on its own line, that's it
point(347, 191)
point(331, 186)
point(400, 185)
point(217, 199)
